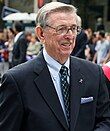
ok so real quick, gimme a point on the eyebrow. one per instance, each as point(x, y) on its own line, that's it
point(66, 25)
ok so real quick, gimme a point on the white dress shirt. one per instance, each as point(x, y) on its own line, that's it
point(17, 36)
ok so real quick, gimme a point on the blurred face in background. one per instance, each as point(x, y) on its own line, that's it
point(33, 38)
point(1, 36)
point(99, 37)
point(28, 36)
point(10, 34)
point(108, 36)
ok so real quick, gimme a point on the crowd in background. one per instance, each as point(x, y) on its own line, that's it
point(98, 47)
point(90, 45)
point(17, 46)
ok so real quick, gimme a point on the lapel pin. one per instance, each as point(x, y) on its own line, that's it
point(81, 81)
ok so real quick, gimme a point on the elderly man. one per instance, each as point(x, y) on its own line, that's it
point(55, 92)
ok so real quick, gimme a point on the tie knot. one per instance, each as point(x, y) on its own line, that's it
point(64, 70)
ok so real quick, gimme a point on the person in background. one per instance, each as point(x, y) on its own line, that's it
point(33, 48)
point(99, 25)
point(107, 59)
point(9, 44)
point(28, 36)
point(90, 48)
point(81, 42)
point(55, 91)
point(102, 49)
point(89, 33)
point(20, 45)
point(3, 53)
point(2, 45)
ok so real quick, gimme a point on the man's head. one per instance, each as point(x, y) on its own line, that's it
point(18, 27)
point(56, 28)
point(101, 35)
point(46, 10)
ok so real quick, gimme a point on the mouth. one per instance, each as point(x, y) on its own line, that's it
point(66, 43)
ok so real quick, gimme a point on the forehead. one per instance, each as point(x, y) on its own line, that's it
point(58, 18)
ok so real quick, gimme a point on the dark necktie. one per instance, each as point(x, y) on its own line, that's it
point(65, 90)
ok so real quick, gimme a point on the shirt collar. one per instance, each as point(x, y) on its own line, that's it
point(52, 63)
point(17, 36)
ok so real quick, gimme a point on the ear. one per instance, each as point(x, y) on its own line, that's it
point(40, 34)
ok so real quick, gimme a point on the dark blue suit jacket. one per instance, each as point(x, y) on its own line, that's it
point(29, 102)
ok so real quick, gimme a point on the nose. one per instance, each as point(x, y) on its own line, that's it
point(69, 31)
point(69, 35)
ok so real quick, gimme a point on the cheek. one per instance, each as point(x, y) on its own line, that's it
point(51, 45)
point(55, 46)
point(52, 42)
point(73, 45)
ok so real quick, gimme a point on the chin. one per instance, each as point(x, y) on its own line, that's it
point(67, 54)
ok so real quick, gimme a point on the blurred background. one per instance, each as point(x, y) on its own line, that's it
point(89, 10)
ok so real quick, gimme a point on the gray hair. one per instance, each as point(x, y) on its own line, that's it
point(46, 10)
point(79, 21)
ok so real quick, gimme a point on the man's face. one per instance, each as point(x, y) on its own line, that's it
point(58, 45)
point(99, 37)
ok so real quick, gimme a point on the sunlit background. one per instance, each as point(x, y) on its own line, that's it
point(89, 10)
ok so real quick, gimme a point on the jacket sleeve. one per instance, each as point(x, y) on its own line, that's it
point(11, 107)
point(102, 122)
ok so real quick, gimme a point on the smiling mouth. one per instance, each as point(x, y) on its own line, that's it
point(66, 44)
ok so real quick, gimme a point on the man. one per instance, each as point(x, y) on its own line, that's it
point(102, 49)
point(55, 92)
point(20, 45)
point(99, 25)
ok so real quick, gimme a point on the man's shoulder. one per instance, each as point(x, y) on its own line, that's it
point(22, 69)
point(80, 60)
point(29, 66)
point(22, 37)
point(87, 68)
point(82, 63)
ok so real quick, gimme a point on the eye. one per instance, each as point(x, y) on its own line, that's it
point(62, 28)
point(74, 27)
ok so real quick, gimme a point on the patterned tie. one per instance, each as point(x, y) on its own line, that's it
point(65, 90)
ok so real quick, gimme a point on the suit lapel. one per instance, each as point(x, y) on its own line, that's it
point(77, 85)
point(46, 87)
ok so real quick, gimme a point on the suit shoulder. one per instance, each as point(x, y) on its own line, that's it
point(28, 67)
point(22, 68)
point(82, 63)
